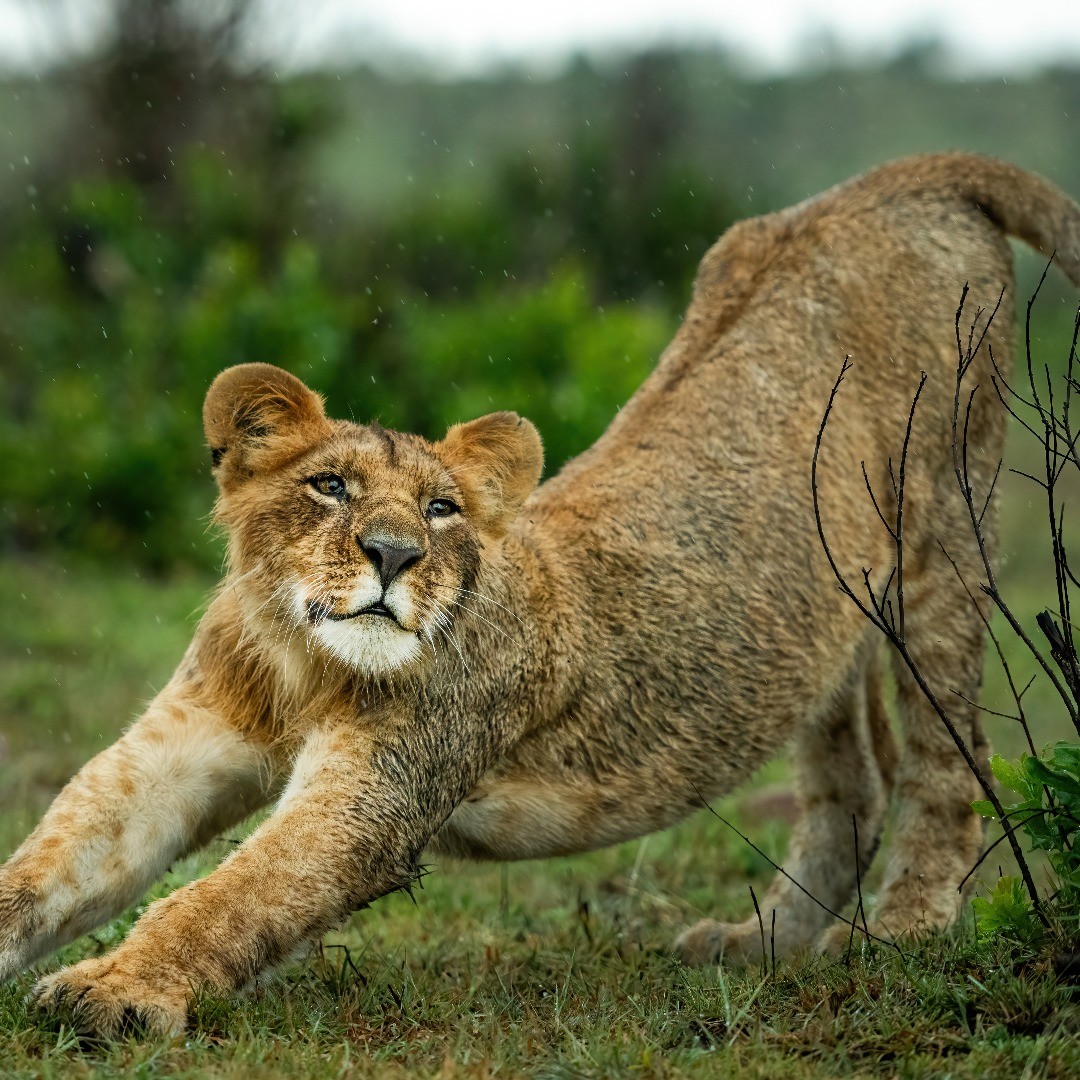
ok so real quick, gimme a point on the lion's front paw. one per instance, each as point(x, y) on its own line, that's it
point(709, 942)
point(105, 998)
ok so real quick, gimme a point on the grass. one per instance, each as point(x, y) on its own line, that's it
point(558, 969)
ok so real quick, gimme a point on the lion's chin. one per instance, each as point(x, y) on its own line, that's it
point(369, 644)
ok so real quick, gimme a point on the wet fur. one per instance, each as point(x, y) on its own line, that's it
point(591, 660)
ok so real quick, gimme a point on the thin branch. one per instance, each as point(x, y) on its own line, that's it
point(997, 382)
point(962, 479)
point(900, 504)
point(772, 943)
point(761, 927)
point(1007, 830)
point(897, 639)
point(1027, 335)
point(990, 493)
point(982, 708)
point(1018, 696)
point(780, 870)
point(873, 500)
point(860, 907)
point(1028, 476)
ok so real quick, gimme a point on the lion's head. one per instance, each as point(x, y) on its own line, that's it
point(361, 539)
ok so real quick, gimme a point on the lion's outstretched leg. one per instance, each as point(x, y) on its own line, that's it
point(842, 766)
point(347, 829)
point(175, 779)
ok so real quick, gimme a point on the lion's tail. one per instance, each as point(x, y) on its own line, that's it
point(1020, 203)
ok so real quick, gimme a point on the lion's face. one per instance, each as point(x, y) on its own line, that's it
point(361, 540)
point(366, 543)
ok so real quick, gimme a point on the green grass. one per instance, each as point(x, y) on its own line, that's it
point(557, 969)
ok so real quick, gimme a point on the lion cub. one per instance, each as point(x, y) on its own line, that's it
point(412, 648)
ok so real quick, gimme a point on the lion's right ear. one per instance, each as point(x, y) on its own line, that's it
point(497, 461)
point(257, 416)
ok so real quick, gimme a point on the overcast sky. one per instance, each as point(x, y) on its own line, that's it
point(469, 35)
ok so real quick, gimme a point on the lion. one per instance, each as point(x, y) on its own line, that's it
point(416, 648)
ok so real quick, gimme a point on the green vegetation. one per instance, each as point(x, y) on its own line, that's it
point(419, 251)
point(576, 992)
point(1048, 811)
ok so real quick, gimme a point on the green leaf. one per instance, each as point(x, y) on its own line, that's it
point(1010, 775)
point(1067, 756)
point(1056, 781)
point(1006, 910)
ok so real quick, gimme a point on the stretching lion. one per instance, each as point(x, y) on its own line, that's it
point(414, 649)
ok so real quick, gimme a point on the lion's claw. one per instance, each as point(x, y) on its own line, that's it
point(105, 1000)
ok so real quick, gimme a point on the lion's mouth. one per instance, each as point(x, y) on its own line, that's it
point(320, 612)
point(375, 609)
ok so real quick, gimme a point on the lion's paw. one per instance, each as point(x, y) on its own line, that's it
point(838, 939)
point(106, 1000)
point(709, 942)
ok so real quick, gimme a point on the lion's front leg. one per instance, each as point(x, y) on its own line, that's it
point(175, 779)
point(341, 836)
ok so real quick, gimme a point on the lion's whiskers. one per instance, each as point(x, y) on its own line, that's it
point(479, 596)
point(443, 623)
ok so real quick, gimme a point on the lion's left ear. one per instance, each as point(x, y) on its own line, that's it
point(496, 461)
point(257, 416)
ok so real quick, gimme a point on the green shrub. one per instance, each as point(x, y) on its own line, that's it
point(107, 358)
point(1048, 812)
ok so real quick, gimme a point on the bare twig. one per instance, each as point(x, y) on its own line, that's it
point(866, 479)
point(761, 927)
point(894, 629)
point(780, 870)
point(959, 451)
point(772, 942)
point(1008, 828)
point(1018, 696)
point(1011, 826)
point(860, 908)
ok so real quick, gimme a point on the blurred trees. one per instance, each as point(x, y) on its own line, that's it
point(175, 230)
point(158, 83)
point(420, 250)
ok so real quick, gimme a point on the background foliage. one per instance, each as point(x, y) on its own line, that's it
point(420, 251)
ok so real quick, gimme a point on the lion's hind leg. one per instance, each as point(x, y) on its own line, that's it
point(937, 836)
point(843, 763)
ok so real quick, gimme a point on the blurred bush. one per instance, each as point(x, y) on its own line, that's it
point(420, 251)
point(123, 295)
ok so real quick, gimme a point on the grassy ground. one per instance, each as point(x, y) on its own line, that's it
point(555, 969)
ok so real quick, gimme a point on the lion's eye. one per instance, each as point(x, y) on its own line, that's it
point(442, 508)
point(328, 484)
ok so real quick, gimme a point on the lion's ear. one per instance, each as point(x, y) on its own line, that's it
point(257, 416)
point(496, 461)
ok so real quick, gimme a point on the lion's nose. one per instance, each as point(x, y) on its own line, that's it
point(389, 557)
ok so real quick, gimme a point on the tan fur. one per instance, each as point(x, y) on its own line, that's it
point(553, 673)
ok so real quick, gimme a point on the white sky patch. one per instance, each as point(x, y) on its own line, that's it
point(474, 35)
